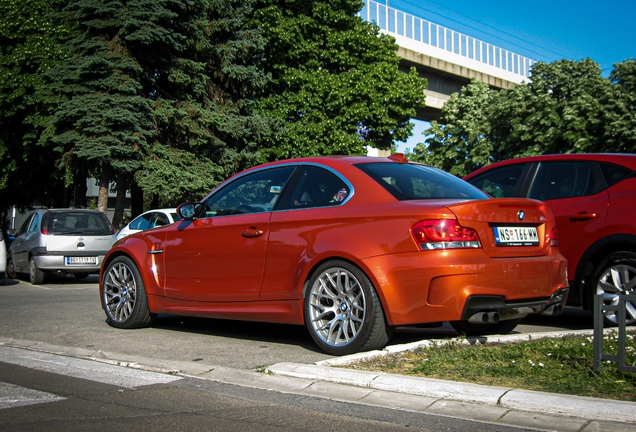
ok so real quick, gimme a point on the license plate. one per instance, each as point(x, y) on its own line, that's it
point(71, 260)
point(516, 236)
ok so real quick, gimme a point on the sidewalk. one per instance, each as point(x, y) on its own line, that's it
point(503, 406)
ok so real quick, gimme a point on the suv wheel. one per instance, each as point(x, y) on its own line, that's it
point(615, 275)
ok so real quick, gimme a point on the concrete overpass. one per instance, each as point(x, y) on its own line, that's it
point(446, 58)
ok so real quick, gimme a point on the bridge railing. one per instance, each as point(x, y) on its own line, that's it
point(427, 37)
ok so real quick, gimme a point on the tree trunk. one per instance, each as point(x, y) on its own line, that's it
point(136, 200)
point(120, 204)
point(102, 199)
point(79, 190)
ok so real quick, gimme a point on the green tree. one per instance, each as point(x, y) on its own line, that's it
point(202, 73)
point(30, 33)
point(561, 109)
point(103, 121)
point(461, 143)
point(336, 86)
point(620, 115)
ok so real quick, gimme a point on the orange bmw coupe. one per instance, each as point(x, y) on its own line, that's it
point(350, 247)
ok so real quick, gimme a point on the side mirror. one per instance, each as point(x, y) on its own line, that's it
point(186, 211)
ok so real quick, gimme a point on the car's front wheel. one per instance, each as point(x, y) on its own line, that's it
point(124, 296)
point(615, 275)
point(11, 268)
point(35, 274)
point(470, 329)
point(343, 312)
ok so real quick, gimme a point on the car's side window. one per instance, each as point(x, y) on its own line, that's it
point(35, 223)
point(614, 173)
point(562, 180)
point(25, 226)
point(251, 193)
point(160, 219)
point(141, 223)
point(316, 187)
point(500, 182)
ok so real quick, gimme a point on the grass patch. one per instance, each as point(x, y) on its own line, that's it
point(564, 365)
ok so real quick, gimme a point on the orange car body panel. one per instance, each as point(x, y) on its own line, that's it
point(207, 267)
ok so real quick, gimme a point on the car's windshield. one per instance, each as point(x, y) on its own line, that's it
point(415, 181)
point(73, 223)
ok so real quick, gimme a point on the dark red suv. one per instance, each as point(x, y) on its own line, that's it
point(593, 197)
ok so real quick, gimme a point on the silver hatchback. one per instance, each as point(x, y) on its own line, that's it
point(60, 241)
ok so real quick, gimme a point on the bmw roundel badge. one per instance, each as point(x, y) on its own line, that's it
point(521, 215)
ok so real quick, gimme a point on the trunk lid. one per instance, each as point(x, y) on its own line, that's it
point(508, 227)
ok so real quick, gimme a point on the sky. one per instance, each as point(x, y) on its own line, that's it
point(604, 31)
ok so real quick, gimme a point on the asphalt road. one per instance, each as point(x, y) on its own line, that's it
point(66, 311)
point(46, 392)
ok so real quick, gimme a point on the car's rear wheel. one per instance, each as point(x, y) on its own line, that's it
point(36, 275)
point(470, 329)
point(124, 296)
point(615, 275)
point(343, 312)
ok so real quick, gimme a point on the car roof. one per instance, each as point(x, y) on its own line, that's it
point(627, 160)
point(66, 210)
point(335, 161)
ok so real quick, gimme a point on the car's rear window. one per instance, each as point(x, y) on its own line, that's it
point(414, 181)
point(73, 223)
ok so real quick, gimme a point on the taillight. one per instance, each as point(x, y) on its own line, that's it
point(553, 238)
point(444, 234)
point(44, 226)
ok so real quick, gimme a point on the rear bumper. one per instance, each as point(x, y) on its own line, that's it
point(506, 310)
point(422, 287)
point(57, 263)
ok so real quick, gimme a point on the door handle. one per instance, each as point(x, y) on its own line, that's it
point(582, 217)
point(252, 232)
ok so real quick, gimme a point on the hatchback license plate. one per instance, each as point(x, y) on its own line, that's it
point(71, 260)
point(516, 236)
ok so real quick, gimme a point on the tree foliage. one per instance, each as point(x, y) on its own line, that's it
point(204, 77)
point(335, 86)
point(565, 107)
point(102, 122)
point(30, 34)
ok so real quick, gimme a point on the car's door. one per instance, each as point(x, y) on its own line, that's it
point(23, 239)
point(576, 194)
point(220, 255)
point(309, 205)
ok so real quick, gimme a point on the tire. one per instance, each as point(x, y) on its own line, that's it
point(11, 269)
point(343, 312)
point(616, 274)
point(36, 276)
point(470, 329)
point(123, 295)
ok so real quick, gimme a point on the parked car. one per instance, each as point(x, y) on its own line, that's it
point(348, 246)
point(60, 241)
point(3, 258)
point(591, 196)
point(149, 219)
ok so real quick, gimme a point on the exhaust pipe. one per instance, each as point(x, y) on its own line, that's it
point(484, 318)
point(553, 310)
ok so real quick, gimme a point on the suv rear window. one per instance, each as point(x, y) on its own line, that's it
point(414, 181)
point(74, 222)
